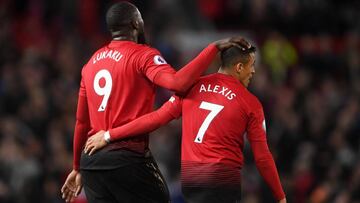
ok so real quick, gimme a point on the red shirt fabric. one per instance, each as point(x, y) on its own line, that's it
point(130, 68)
point(118, 85)
point(117, 82)
point(235, 111)
point(217, 113)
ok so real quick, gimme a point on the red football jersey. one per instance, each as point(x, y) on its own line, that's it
point(216, 114)
point(117, 81)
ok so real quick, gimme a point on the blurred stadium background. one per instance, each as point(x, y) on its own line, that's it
point(307, 77)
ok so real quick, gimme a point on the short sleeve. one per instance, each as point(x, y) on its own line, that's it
point(256, 128)
point(150, 62)
point(174, 106)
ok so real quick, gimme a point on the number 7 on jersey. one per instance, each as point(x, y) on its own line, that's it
point(214, 110)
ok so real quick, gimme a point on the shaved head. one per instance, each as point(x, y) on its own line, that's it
point(124, 21)
point(120, 15)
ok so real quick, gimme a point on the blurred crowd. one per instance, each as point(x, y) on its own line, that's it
point(307, 78)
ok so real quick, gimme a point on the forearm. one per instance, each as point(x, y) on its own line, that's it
point(80, 137)
point(181, 80)
point(267, 168)
point(144, 124)
point(82, 128)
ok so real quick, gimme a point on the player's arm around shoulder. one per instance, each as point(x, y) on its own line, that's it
point(144, 124)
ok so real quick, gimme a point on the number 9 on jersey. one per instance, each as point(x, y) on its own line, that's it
point(105, 90)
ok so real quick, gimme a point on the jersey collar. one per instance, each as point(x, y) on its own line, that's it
point(229, 78)
point(117, 43)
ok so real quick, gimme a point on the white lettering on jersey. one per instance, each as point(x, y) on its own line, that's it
point(216, 88)
point(209, 88)
point(231, 96)
point(115, 55)
point(224, 89)
point(226, 92)
point(158, 60)
point(202, 88)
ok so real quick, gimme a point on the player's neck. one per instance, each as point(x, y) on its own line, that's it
point(228, 72)
point(224, 71)
point(123, 36)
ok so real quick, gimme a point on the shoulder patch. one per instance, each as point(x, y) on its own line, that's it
point(158, 60)
point(264, 125)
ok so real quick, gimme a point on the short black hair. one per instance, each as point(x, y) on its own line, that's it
point(120, 15)
point(236, 54)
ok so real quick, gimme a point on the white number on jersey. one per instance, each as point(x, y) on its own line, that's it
point(103, 91)
point(214, 110)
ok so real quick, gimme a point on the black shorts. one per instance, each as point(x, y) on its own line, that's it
point(211, 195)
point(134, 183)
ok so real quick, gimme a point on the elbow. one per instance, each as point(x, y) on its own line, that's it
point(180, 91)
point(263, 159)
point(160, 118)
point(166, 119)
point(178, 87)
point(82, 122)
